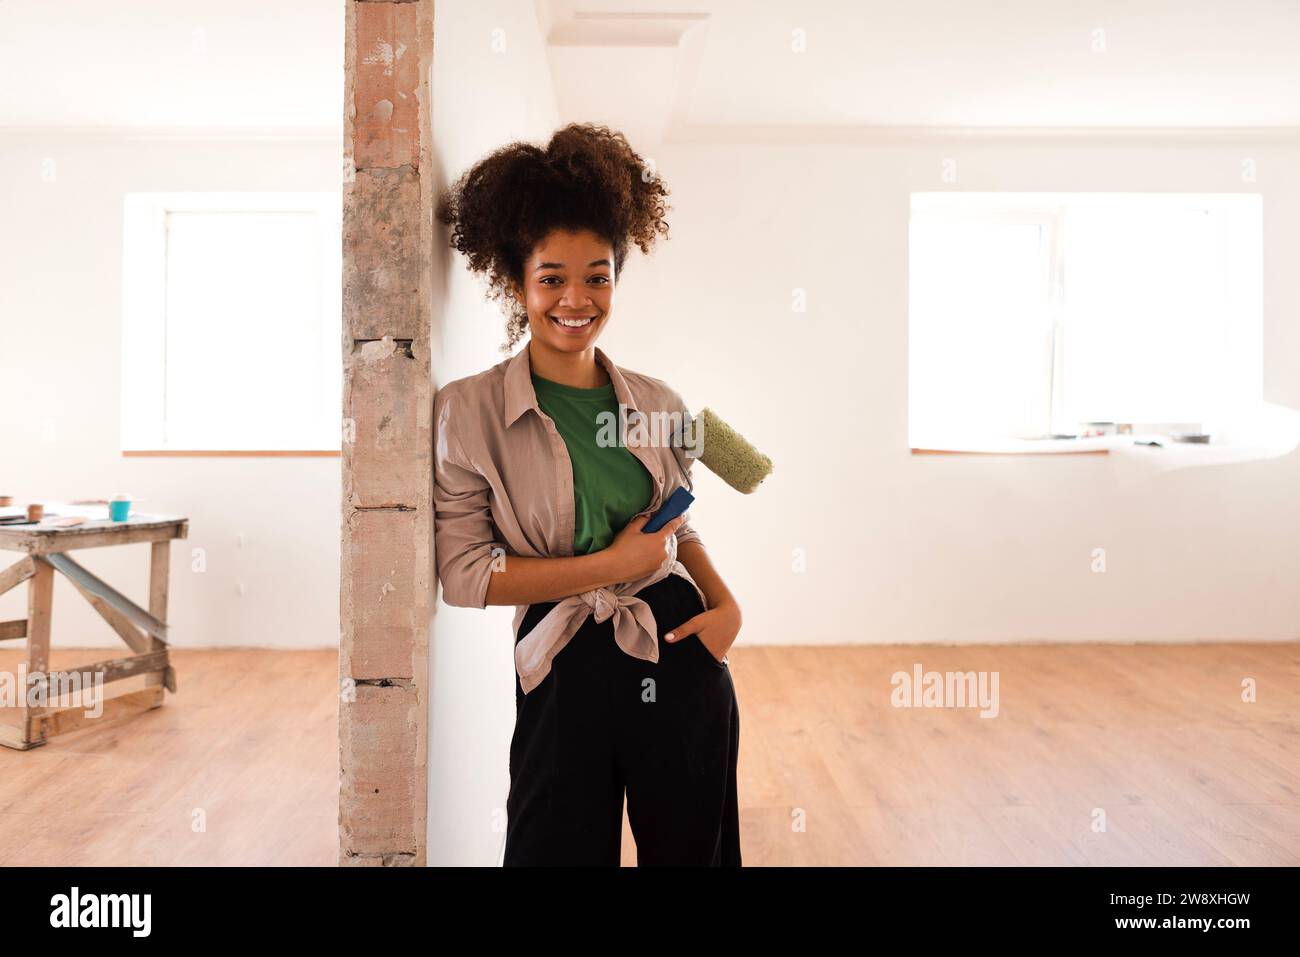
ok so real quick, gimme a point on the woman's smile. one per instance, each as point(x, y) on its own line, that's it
point(575, 325)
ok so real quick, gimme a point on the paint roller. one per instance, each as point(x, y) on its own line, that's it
point(723, 451)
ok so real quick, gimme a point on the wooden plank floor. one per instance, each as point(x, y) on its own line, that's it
point(1154, 737)
point(248, 748)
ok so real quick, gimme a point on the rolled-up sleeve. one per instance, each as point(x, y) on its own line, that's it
point(685, 532)
point(463, 532)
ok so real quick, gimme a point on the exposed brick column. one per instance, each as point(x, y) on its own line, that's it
point(386, 600)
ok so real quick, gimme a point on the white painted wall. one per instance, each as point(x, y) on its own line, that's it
point(60, 382)
point(482, 100)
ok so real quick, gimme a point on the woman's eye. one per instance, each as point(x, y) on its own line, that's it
point(546, 280)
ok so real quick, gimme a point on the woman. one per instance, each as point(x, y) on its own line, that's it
point(547, 467)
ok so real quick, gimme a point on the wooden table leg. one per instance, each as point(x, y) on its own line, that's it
point(40, 603)
point(159, 579)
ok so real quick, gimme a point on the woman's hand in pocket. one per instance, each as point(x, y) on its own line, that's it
point(717, 629)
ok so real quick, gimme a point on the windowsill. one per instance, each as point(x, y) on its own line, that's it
point(235, 452)
point(1105, 445)
point(1096, 445)
point(1016, 447)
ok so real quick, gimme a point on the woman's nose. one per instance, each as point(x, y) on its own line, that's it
point(575, 297)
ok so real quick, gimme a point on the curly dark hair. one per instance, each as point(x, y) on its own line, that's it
point(588, 177)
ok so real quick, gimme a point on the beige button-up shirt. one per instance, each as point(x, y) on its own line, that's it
point(503, 485)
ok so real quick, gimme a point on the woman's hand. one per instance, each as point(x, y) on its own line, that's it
point(637, 553)
point(717, 629)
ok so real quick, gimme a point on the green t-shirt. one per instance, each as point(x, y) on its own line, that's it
point(610, 484)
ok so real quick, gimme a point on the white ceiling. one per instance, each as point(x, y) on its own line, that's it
point(888, 63)
point(670, 64)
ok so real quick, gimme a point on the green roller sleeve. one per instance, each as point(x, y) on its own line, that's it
point(726, 453)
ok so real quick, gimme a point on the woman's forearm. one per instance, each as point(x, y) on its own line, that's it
point(696, 559)
point(523, 580)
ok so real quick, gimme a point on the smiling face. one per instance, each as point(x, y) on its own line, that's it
point(569, 276)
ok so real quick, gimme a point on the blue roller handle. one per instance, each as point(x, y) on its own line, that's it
point(677, 503)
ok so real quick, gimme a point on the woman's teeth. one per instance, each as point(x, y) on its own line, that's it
point(573, 323)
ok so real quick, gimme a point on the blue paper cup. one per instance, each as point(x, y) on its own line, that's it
point(119, 511)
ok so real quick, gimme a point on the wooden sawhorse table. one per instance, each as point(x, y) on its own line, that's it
point(145, 632)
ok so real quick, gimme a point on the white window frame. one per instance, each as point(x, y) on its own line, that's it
point(144, 320)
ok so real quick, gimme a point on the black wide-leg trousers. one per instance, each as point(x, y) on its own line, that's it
point(602, 721)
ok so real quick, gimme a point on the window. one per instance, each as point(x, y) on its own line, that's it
point(1033, 315)
point(232, 322)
